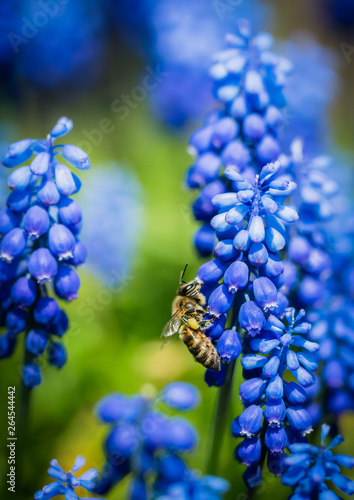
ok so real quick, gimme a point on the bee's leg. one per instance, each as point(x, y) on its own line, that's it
point(205, 324)
point(185, 320)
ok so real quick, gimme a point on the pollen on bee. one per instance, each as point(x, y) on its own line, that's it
point(193, 323)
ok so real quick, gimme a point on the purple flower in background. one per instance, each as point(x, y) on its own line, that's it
point(38, 244)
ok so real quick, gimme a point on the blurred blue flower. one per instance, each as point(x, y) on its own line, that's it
point(149, 446)
point(311, 91)
point(66, 482)
point(63, 43)
point(311, 467)
point(115, 222)
point(38, 243)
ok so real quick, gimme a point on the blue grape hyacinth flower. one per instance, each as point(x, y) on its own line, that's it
point(147, 445)
point(39, 244)
point(66, 482)
point(310, 468)
point(281, 346)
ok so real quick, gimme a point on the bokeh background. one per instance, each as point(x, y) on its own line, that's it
point(132, 75)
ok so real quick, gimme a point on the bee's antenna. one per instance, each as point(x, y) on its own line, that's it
point(182, 275)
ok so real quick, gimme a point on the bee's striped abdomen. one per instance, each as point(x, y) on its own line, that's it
point(200, 347)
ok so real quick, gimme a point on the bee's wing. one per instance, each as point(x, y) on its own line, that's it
point(172, 326)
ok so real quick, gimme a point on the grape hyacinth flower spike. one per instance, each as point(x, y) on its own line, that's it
point(40, 246)
point(310, 468)
point(66, 482)
point(149, 446)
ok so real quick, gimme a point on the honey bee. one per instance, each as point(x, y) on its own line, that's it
point(188, 311)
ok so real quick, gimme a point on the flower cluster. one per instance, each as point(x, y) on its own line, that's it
point(249, 81)
point(311, 467)
point(285, 420)
point(66, 482)
point(39, 244)
point(147, 445)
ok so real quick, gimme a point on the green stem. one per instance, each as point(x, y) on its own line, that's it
point(22, 422)
point(220, 420)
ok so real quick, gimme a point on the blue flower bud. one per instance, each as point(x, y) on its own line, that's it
point(215, 484)
point(61, 241)
point(236, 276)
point(225, 200)
point(200, 140)
point(299, 249)
point(19, 178)
point(249, 451)
point(251, 390)
point(64, 180)
point(36, 341)
point(225, 130)
point(256, 229)
point(218, 222)
point(229, 346)
point(60, 324)
point(220, 301)
point(239, 107)
point(273, 267)
point(254, 127)
point(343, 483)
point(180, 395)
point(303, 377)
point(311, 290)
point(122, 441)
point(23, 292)
point(257, 254)
point(275, 411)
point(270, 369)
point(17, 153)
point(253, 82)
point(40, 164)
point(299, 419)
point(79, 255)
point(211, 272)
point(31, 375)
point(13, 244)
point(307, 361)
point(274, 240)
point(171, 467)
point(251, 318)
point(275, 389)
point(204, 240)
point(179, 435)
point(242, 240)
point(46, 310)
point(19, 201)
point(334, 374)
point(7, 271)
point(76, 157)
point(48, 194)
point(57, 354)
point(36, 221)
point(16, 321)
point(269, 205)
point(276, 439)
point(42, 265)
point(236, 214)
point(206, 168)
point(236, 153)
point(7, 345)
point(69, 212)
point(252, 476)
point(215, 330)
point(250, 420)
point(225, 250)
point(287, 214)
point(215, 378)
point(62, 127)
point(252, 361)
point(275, 463)
point(67, 283)
point(267, 150)
point(8, 220)
point(265, 293)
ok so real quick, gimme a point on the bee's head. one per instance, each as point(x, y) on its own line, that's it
point(190, 288)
